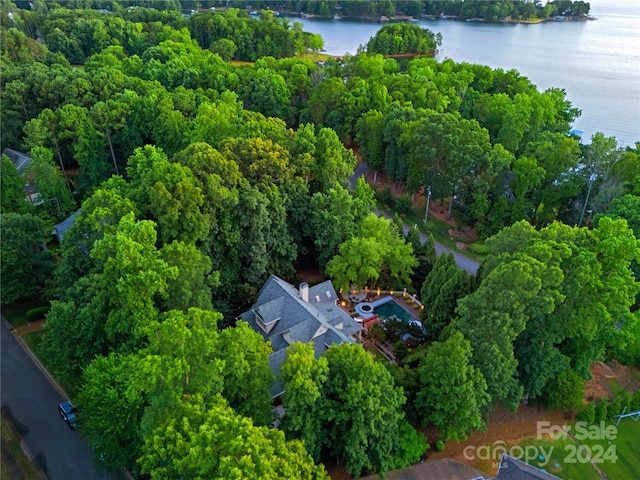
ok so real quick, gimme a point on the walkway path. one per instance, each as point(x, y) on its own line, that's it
point(463, 262)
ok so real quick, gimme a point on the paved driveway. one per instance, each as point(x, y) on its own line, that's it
point(33, 402)
point(463, 262)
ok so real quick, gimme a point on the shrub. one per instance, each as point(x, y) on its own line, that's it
point(587, 414)
point(411, 447)
point(635, 401)
point(626, 399)
point(377, 333)
point(38, 312)
point(402, 204)
point(385, 197)
point(600, 411)
point(440, 446)
point(615, 407)
point(565, 391)
point(400, 350)
point(478, 248)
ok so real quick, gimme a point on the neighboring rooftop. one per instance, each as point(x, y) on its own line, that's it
point(61, 228)
point(22, 161)
point(442, 469)
point(513, 469)
point(284, 314)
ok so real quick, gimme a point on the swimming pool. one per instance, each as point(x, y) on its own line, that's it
point(391, 309)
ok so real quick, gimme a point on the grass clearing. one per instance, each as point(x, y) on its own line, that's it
point(558, 459)
point(240, 63)
point(625, 446)
point(315, 57)
point(617, 455)
point(433, 226)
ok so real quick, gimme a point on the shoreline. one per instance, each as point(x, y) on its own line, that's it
point(409, 19)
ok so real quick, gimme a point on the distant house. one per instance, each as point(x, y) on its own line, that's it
point(513, 469)
point(22, 162)
point(284, 314)
point(61, 228)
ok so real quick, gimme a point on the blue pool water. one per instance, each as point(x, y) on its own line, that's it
point(391, 309)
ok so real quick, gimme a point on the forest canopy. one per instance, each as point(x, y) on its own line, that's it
point(199, 177)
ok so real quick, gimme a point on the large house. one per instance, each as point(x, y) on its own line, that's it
point(284, 314)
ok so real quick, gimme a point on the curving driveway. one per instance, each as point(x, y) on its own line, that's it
point(32, 401)
point(463, 262)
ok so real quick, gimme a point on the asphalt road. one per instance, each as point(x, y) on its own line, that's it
point(463, 262)
point(33, 404)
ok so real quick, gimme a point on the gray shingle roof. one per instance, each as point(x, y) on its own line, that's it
point(61, 228)
point(22, 161)
point(320, 320)
point(513, 469)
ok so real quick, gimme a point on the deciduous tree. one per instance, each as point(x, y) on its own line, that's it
point(25, 263)
point(452, 392)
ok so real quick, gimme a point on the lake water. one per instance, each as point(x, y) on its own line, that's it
point(596, 62)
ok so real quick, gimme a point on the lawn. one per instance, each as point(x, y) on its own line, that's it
point(559, 462)
point(626, 448)
point(433, 226)
point(315, 57)
point(618, 457)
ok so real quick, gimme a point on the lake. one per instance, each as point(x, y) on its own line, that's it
point(596, 62)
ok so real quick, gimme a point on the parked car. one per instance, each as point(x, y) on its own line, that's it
point(68, 413)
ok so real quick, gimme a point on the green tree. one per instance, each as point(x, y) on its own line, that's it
point(601, 158)
point(52, 191)
point(109, 415)
point(182, 447)
point(302, 377)
point(224, 47)
point(627, 207)
point(566, 391)
point(452, 392)
point(46, 131)
point(248, 380)
point(443, 269)
point(361, 408)
point(192, 286)
point(333, 163)
point(12, 196)
point(491, 318)
point(74, 333)
point(100, 214)
point(379, 253)
point(269, 94)
point(26, 265)
point(182, 359)
point(396, 38)
point(134, 274)
point(108, 117)
point(369, 135)
point(458, 285)
point(335, 216)
point(170, 193)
